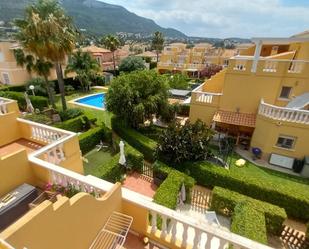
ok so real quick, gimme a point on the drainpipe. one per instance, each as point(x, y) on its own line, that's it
point(258, 48)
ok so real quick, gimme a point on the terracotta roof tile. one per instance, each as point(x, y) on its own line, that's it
point(235, 118)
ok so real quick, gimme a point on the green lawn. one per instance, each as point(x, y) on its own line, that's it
point(96, 159)
point(101, 116)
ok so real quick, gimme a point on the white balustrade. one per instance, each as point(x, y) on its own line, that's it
point(296, 67)
point(3, 108)
point(240, 65)
point(284, 114)
point(55, 155)
point(270, 66)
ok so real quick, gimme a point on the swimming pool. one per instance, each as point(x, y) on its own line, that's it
point(96, 101)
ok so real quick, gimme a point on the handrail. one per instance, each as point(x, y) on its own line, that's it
point(247, 58)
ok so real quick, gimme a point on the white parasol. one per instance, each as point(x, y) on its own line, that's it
point(122, 159)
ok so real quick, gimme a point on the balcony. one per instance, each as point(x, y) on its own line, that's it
point(205, 98)
point(181, 66)
point(269, 67)
point(283, 113)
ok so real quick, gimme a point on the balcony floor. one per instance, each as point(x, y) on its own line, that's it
point(134, 242)
point(22, 143)
point(141, 184)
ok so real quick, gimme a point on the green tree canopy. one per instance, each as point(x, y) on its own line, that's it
point(85, 67)
point(157, 43)
point(137, 95)
point(48, 33)
point(178, 81)
point(184, 143)
point(131, 63)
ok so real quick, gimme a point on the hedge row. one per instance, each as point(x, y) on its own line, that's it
point(38, 102)
point(168, 191)
point(77, 124)
point(142, 143)
point(224, 201)
point(249, 222)
point(113, 171)
point(89, 139)
point(290, 196)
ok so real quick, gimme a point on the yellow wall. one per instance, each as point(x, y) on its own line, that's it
point(15, 170)
point(267, 132)
point(68, 223)
point(9, 131)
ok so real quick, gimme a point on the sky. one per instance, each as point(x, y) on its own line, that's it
point(225, 18)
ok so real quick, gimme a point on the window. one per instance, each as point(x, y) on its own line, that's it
point(98, 58)
point(286, 142)
point(6, 78)
point(285, 92)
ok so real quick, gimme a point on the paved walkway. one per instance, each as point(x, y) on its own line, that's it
point(17, 145)
point(141, 184)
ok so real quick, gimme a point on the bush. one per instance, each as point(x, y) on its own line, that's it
point(131, 64)
point(162, 172)
point(249, 222)
point(167, 194)
point(289, 195)
point(89, 139)
point(224, 201)
point(184, 110)
point(113, 171)
point(39, 118)
point(38, 102)
point(79, 124)
point(13, 88)
point(70, 113)
point(140, 142)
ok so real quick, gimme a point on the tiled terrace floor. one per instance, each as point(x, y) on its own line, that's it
point(17, 145)
point(141, 184)
point(134, 242)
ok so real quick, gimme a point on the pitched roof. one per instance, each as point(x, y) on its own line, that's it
point(235, 118)
point(95, 49)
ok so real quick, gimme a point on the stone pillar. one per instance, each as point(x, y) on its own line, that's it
point(258, 48)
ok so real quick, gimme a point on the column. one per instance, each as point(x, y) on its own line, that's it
point(258, 48)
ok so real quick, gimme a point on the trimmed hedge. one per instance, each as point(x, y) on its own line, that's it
point(290, 195)
point(224, 201)
point(89, 139)
point(38, 102)
point(77, 124)
point(249, 222)
point(167, 194)
point(113, 171)
point(70, 113)
point(168, 191)
point(140, 142)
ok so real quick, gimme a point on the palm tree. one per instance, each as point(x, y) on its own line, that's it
point(40, 66)
point(84, 66)
point(157, 43)
point(112, 43)
point(49, 34)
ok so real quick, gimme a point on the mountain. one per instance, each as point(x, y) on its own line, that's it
point(95, 17)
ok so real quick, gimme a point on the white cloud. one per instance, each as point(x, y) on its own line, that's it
point(224, 18)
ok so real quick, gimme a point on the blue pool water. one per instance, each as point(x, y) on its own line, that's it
point(97, 100)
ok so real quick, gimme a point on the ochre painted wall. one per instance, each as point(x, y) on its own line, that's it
point(267, 132)
point(15, 170)
point(9, 130)
point(68, 223)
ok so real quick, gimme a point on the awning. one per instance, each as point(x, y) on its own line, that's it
point(235, 118)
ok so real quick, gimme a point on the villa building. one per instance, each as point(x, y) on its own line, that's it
point(33, 154)
point(176, 57)
point(262, 98)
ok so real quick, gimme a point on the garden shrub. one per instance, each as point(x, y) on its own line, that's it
point(140, 142)
point(13, 88)
point(162, 171)
point(77, 124)
point(224, 201)
point(38, 102)
point(70, 113)
point(290, 195)
point(89, 139)
point(113, 171)
point(249, 222)
point(39, 118)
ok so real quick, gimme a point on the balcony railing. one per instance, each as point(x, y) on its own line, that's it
point(201, 97)
point(269, 66)
point(4, 105)
point(284, 114)
point(182, 65)
point(175, 226)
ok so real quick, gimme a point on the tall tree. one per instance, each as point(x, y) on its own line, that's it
point(112, 43)
point(40, 66)
point(157, 43)
point(47, 32)
point(85, 67)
